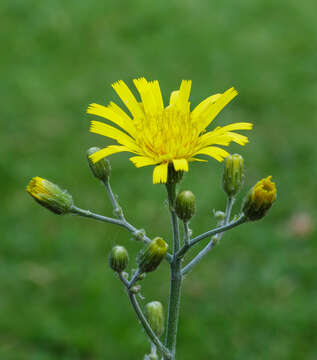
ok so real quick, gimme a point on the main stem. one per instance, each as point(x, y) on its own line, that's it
point(176, 278)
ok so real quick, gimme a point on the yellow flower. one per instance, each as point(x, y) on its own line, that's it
point(161, 135)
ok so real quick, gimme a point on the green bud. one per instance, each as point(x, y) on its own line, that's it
point(259, 199)
point(155, 316)
point(118, 259)
point(173, 176)
point(50, 195)
point(151, 256)
point(233, 174)
point(102, 168)
point(185, 205)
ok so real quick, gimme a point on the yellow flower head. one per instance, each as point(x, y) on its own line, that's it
point(264, 192)
point(260, 199)
point(161, 135)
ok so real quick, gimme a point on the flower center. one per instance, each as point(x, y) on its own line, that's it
point(167, 135)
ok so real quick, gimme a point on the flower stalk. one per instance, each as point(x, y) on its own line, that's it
point(176, 277)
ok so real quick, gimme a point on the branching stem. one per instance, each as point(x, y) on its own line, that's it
point(212, 242)
point(120, 222)
point(212, 232)
point(147, 327)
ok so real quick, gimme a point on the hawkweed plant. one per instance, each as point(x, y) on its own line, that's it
point(167, 137)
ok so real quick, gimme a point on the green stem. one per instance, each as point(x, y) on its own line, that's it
point(116, 207)
point(173, 307)
point(176, 278)
point(121, 222)
point(212, 242)
point(242, 219)
point(146, 326)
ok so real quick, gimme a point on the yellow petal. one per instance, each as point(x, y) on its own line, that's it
point(180, 97)
point(128, 98)
point(180, 164)
point(234, 126)
point(203, 106)
point(183, 95)
point(211, 138)
point(140, 161)
point(214, 108)
point(100, 128)
point(196, 159)
point(120, 119)
point(150, 95)
point(112, 149)
point(238, 138)
point(213, 151)
point(160, 173)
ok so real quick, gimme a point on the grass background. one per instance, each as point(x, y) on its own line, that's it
point(255, 296)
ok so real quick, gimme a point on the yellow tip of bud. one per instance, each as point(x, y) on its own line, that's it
point(260, 199)
point(50, 195)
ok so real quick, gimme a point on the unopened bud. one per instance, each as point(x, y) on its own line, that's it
point(118, 258)
point(102, 168)
point(233, 174)
point(259, 199)
point(152, 255)
point(173, 176)
point(155, 316)
point(185, 205)
point(50, 195)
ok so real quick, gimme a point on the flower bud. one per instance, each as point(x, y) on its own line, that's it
point(102, 168)
point(259, 199)
point(151, 256)
point(233, 174)
point(173, 176)
point(185, 205)
point(118, 259)
point(50, 195)
point(155, 316)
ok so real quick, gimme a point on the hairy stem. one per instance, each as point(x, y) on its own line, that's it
point(176, 278)
point(146, 326)
point(121, 222)
point(116, 207)
point(242, 219)
point(212, 242)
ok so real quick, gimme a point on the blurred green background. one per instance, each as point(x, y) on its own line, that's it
point(255, 295)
